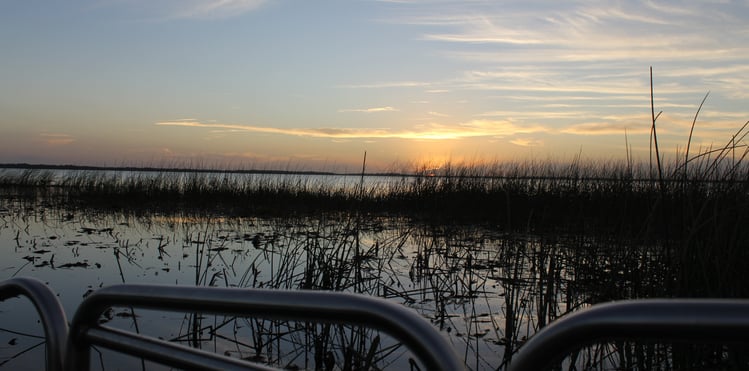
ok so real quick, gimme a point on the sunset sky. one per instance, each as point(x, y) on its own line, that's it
point(311, 85)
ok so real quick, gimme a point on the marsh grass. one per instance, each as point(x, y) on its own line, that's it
point(490, 253)
point(694, 207)
point(488, 290)
point(516, 196)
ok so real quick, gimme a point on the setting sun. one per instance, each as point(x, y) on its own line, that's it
point(255, 83)
point(374, 185)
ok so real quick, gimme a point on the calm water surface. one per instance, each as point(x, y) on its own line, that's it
point(485, 291)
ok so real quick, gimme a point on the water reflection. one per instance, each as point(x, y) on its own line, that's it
point(486, 291)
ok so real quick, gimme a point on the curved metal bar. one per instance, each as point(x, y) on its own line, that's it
point(173, 354)
point(50, 310)
point(699, 320)
point(406, 326)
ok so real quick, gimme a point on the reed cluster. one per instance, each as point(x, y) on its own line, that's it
point(612, 197)
point(490, 253)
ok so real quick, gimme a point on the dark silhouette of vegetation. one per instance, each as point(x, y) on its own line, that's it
point(490, 253)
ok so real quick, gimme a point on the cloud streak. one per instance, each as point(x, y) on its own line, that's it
point(369, 110)
point(218, 8)
point(56, 139)
point(471, 129)
point(605, 128)
point(587, 47)
point(386, 85)
point(191, 9)
point(526, 142)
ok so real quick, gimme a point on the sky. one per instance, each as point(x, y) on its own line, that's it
point(313, 85)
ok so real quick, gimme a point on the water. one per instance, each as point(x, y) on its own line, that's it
point(453, 276)
point(485, 290)
point(346, 182)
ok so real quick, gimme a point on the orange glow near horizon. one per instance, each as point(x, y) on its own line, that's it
point(439, 81)
point(474, 128)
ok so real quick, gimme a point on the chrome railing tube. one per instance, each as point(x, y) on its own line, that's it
point(336, 307)
point(50, 311)
point(698, 320)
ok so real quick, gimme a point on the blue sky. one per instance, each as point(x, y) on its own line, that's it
point(313, 84)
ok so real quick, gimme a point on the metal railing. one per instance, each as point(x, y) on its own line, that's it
point(50, 311)
point(404, 325)
point(698, 320)
point(70, 349)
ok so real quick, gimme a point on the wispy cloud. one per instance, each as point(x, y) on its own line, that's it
point(437, 114)
point(474, 128)
point(606, 128)
point(56, 138)
point(479, 39)
point(536, 115)
point(574, 28)
point(587, 47)
point(572, 83)
point(387, 84)
point(217, 8)
point(189, 9)
point(527, 142)
point(369, 110)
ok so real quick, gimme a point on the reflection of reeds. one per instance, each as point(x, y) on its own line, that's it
point(488, 290)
